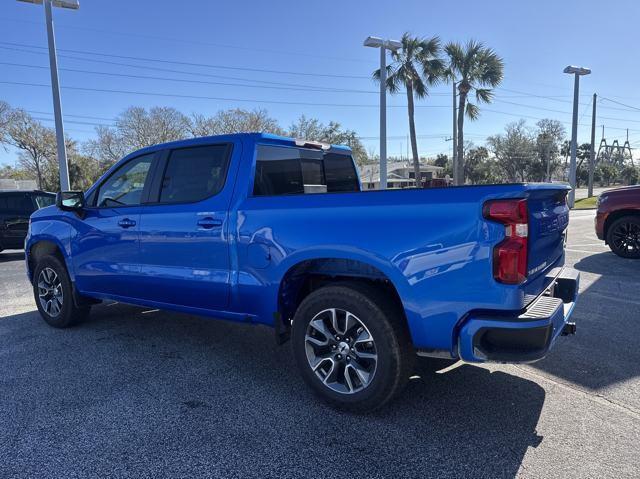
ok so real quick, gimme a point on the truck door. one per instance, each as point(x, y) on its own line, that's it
point(105, 250)
point(184, 246)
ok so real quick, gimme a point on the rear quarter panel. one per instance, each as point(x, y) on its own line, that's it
point(433, 245)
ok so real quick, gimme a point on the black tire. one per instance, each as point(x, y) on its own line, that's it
point(385, 324)
point(623, 237)
point(69, 314)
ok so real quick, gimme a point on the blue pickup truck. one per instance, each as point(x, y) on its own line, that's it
point(269, 230)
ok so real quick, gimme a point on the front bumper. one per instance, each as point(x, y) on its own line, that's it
point(528, 336)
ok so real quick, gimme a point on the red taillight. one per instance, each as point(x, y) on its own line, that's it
point(510, 255)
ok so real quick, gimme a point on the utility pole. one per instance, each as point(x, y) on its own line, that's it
point(57, 106)
point(55, 84)
point(454, 158)
point(577, 72)
point(592, 155)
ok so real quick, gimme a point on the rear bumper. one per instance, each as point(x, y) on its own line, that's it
point(525, 337)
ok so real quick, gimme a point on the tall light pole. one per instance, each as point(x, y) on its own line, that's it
point(383, 45)
point(454, 156)
point(592, 153)
point(577, 73)
point(55, 84)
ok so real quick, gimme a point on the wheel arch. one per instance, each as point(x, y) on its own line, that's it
point(617, 214)
point(309, 274)
point(44, 247)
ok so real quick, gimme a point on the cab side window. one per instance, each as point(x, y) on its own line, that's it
point(43, 201)
point(125, 186)
point(195, 173)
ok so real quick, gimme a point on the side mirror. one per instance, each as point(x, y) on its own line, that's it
point(70, 201)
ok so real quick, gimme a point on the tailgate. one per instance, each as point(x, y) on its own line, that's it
point(548, 221)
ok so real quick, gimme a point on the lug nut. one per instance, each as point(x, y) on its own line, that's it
point(337, 338)
point(333, 347)
point(348, 340)
point(348, 358)
point(339, 356)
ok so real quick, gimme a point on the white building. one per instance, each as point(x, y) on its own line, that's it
point(9, 184)
point(400, 174)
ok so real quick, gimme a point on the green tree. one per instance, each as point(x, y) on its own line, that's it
point(415, 67)
point(630, 175)
point(478, 69)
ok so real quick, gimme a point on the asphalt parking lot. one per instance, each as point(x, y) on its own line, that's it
point(147, 394)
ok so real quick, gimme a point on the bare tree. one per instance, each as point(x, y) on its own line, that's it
point(515, 151)
point(37, 143)
point(137, 128)
point(314, 129)
point(548, 143)
point(5, 112)
point(233, 121)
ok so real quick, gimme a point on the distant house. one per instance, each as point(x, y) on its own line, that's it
point(400, 174)
point(9, 184)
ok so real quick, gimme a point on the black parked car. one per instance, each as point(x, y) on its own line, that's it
point(15, 209)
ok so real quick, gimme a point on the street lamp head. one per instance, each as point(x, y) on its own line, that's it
point(377, 42)
point(373, 42)
point(577, 70)
point(393, 45)
point(71, 4)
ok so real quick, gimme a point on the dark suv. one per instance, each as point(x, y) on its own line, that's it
point(15, 209)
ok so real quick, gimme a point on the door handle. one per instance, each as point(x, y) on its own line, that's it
point(126, 223)
point(209, 223)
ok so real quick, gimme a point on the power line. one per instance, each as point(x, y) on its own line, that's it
point(199, 97)
point(194, 64)
point(169, 70)
point(182, 80)
point(619, 103)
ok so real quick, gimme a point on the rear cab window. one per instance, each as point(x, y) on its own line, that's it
point(195, 173)
point(284, 170)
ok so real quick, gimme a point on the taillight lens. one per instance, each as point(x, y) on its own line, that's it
point(510, 255)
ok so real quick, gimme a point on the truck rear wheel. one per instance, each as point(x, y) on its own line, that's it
point(623, 237)
point(352, 346)
point(53, 293)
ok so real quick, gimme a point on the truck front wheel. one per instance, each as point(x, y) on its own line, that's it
point(352, 346)
point(53, 293)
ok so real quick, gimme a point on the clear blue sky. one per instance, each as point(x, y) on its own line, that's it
point(536, 39)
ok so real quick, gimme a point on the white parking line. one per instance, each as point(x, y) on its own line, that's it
point(580, 251)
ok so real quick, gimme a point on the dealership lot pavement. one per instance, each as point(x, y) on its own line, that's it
point(147, 394)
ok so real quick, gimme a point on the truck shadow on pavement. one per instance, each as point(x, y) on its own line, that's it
point(159, 394)
point(6, 257)
point(605, 349)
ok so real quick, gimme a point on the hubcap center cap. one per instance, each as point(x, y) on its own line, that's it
point(343, 348)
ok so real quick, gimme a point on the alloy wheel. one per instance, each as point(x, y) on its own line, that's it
point(626, 237)
point(341, 351)
point(50, 292)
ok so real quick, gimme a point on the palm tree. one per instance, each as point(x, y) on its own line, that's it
point(477, 68)
point(416, 67)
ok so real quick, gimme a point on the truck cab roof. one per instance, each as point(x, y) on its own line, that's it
point(252, 137)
